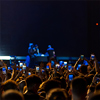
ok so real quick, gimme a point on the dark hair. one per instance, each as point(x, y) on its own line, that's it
point(32, 79)
point(50, 84)
point(57, 94)
point(12, 95)
point(83, 69)
point(9, 84)
point(79, 86)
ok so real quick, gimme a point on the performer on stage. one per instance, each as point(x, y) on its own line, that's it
point(51, 52)
point(30, 56)
point(31, 49)
point(36, 49)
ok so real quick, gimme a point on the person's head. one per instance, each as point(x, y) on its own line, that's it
point(95, 96)
point(57, 94)
point(49, 46)
point(50, 84)
point(12, 95)
point(83, 69)
point(33, 82)
point(9, 84)
point(31, 44)
point(36, 46)
point(79, 87)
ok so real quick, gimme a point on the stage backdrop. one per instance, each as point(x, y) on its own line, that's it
point(63, 24)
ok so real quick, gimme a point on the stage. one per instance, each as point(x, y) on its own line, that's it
point(38, 59)
point(41, 57)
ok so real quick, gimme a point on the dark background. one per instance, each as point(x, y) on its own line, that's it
point(69, 26)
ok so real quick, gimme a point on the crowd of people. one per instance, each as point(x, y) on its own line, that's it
point(55, 81)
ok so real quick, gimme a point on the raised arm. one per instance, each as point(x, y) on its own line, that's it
point(96, 65)
point(77, 62)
